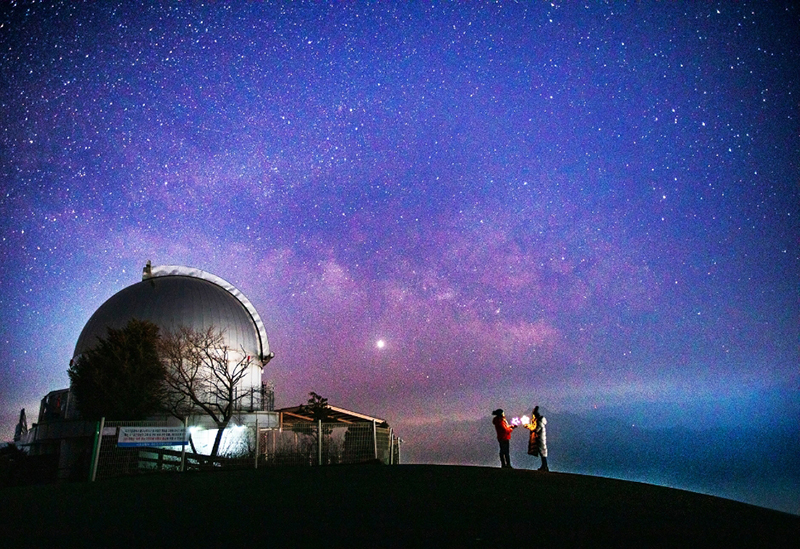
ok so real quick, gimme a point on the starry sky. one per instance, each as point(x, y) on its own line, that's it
point(437, 208)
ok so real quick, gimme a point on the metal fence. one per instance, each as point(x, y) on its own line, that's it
point(111, 460)
point(340, 443)
point(247, 446)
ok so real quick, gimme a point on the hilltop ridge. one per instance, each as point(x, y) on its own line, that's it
point(384, 506)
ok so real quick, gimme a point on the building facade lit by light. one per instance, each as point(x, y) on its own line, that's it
point(171, 297)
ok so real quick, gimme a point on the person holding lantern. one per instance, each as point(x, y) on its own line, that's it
point(537, 443)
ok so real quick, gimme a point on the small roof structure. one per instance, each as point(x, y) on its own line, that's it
point(298, 414)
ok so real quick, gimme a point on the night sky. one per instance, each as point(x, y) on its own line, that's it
point(594, 208)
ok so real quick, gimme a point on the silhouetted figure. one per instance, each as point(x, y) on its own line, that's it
point(537, 444)
point(533, 439)
point(503, 436)
point(22, 427)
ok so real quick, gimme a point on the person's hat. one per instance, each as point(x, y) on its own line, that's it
point(498, 412)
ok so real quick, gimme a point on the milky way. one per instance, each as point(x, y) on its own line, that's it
point(587, 207)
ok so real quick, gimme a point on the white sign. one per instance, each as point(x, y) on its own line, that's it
point(151, 436)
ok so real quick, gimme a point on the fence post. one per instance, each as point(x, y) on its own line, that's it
point(319, 442)
point(183, 446)
point(375, 438)
point(391, 446)
point(98, 441)
point(255, 465)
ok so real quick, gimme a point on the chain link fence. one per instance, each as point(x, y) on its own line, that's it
point(341, 443)
point(242, 446)
point(112, 460)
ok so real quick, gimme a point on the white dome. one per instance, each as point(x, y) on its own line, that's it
point(171, 297)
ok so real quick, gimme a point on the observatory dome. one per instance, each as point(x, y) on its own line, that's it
point(174, 296)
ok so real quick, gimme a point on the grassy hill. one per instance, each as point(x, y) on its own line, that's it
point(379, 506)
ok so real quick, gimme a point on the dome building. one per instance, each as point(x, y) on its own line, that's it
point(173, 297)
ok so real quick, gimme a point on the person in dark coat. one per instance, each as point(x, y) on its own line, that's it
point(503, 436)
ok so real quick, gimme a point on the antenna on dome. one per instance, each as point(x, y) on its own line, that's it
point(147, 272)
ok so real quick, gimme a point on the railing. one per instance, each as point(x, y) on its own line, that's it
point(340, 443)
point(299, 445)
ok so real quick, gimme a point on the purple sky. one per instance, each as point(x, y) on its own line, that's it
point(586, 207)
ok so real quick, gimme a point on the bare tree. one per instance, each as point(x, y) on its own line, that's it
point(204, 376)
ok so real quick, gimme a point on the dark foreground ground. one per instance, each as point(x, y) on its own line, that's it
point(380, 506)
